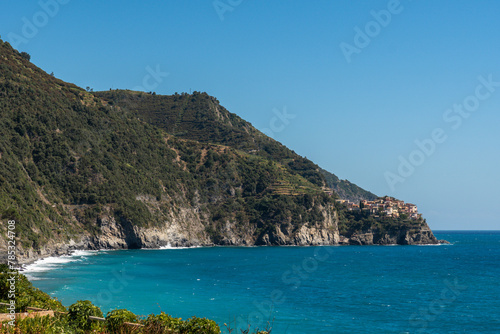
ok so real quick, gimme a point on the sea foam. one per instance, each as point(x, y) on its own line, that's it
point(54, 262)
point(169, 246)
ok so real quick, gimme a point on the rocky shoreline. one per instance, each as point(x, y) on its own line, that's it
point(87, 243)
point(187, 230)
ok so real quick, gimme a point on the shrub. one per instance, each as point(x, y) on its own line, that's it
point(26, 293)
point(164, 323)
point(80, 312)
point(116, 318)
point(46, 325)
point(26, 56)
point(201, 326)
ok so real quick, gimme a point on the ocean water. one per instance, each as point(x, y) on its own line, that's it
point(345, 289)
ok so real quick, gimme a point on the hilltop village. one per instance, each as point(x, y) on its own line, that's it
point(388, 206)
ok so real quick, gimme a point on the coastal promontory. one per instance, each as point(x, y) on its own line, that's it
point(126, 169)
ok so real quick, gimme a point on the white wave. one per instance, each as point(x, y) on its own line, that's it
point(54, 262)
point(450, 244)
point(85, 252)
point(169, 246)
point(48, 263)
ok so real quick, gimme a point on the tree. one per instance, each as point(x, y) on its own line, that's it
point(26, 56)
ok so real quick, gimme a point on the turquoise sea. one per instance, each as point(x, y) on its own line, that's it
point(345, 289)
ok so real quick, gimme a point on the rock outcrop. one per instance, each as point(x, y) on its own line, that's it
point(182, 229)
point(323, 232)
point(423, 236)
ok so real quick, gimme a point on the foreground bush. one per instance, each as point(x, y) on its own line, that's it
point(154, 324)
point(80, 312)
point(116, 318)
point(26, 293)
point(163, 323)
point(201, 326)
point(45, 325)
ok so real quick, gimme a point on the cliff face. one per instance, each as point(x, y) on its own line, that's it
point(187, 229)
point(422, 236)
point(182, 229)
point(323, 232)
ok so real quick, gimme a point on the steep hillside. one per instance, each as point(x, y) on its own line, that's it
point(78, 171)
point(345, 189)
point(200, 117)
point(83, 170)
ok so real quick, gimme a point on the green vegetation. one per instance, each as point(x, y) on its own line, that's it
point(26, 293)
point(69, 157)
point(345, 189)
point(80, 312)
point(200, 117)
point(116, 319)
point(72, 160)
point(37, 325)
point(163, 322)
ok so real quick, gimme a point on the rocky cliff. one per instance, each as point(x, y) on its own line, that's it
point(187, 230)
point(423, 236)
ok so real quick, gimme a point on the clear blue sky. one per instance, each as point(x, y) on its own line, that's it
point(357, 112)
